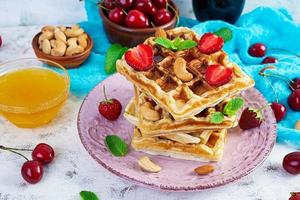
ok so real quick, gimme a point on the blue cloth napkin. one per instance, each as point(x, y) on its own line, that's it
point(274, 28)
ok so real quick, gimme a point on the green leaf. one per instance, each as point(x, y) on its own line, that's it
point(114, 52)
point(225, 33)
point(87, 195)
point(165, 43)
point(217, 118)
point(233, 106)
point(187, 44)
point(177, 42)
point(116, 145)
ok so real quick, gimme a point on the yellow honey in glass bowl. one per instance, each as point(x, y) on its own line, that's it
point(31, 92)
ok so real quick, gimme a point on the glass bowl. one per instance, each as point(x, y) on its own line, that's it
point(32, 92)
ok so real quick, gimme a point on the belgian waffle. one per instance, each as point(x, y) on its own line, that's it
point(140, 107)
point(183, 99)
point(210, 147)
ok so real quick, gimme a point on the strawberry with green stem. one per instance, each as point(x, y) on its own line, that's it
point(251, 118)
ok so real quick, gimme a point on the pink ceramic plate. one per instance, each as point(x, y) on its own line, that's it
point(244, 150)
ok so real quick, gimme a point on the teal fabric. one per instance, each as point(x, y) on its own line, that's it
point(274, 28)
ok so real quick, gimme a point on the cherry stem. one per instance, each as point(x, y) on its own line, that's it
point(175, 11)
point(153, 25)
point(264, 107)
point(270, 84)
point(12, 150)
point(15, 149)
point(284, 50)
point(104, 91)
point(101, 6)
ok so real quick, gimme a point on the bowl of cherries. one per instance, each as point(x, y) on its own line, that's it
point(130, 22)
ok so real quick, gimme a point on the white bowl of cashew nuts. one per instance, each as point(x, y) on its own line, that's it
point(67, 46)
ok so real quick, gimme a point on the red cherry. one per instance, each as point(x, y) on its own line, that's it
point(109, 4)
point(124, 3)
point(146, 7)
point(291, 163)
point(210, 43)
point(257, 50)
point(117, 15)
point(269, 59)
point(294, 100)
point(217, 75)
point(32, 171)
point(140, 58)
point(279, 111)
point(162, 17)
point(43, 153)
point(160, 3)
point(295, 84)
point(136, 19)
point(295, 196)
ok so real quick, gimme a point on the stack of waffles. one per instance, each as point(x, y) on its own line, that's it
point(172, 108)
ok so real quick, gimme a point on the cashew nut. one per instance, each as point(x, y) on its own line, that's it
point(147, 165)
point(48, 28)
point(71, 50)
point(82, 40)
point(45, 35)
point(53, 43)
point(297, 125)
point(180, 70)
point(62, 28)
point(46, 47)
point(160, 33)
point(149, 114)
point(60, 48)
point(75, 27)
point(72, 42)
point(59, 35)
point(70, 32)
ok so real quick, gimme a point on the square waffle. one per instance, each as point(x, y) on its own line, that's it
point(183, 99)
point(209, 148)
point(151, 119)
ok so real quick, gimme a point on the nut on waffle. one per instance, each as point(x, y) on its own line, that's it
point(176, 80)
point(151, 119)
point(210, 145)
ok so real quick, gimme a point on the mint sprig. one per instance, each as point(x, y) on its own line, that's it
point(114, 52)
point(116, 145)
point(87, 195)
point(230, 109)
point(177, 44)
point(225, 33)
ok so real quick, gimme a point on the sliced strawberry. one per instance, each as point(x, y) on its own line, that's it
point(217, 75)
point(140, 58)
point(210, 43)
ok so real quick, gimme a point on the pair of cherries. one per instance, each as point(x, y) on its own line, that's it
point(32, 170)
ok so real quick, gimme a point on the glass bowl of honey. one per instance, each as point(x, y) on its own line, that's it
point(32, 91)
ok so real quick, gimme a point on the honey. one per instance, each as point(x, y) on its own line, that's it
point(30, 97)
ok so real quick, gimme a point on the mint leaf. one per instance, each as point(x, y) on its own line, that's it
point(225, 33)
point(176, 42)
point(165, 43)
point(186, 44)
point(116, 145)
point(217, 118)
point(114, 52)
point(233, 106)
point(87, 195)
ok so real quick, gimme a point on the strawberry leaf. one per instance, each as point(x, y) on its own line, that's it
point(116, 145)
point(87, 195)
point(187, 44)
point(217, 118)
point(225, 33)
point(114, 52)
point(233, 106)
point(165, 43)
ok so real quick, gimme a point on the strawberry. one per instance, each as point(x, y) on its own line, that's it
point(210, 43)
point(110, 108)
point(217, 75)
point(295, 196)
point(250, 118)
point(140, 58)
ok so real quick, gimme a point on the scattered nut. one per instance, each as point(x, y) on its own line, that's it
point(71, 50)
point(70, 32)
point(180, 70)
point(297, 126)
point(160, 33)
point(204, 169)
point(149, 114)
point(147, 165)
point(59, 35)
point(45, 35)
point(46, 47)
point(60, 48)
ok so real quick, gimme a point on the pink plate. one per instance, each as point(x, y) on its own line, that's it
point(244, 150)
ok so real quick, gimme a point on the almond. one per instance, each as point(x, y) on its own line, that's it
point(160, 33)
point(204, 169)
point(297, 125)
